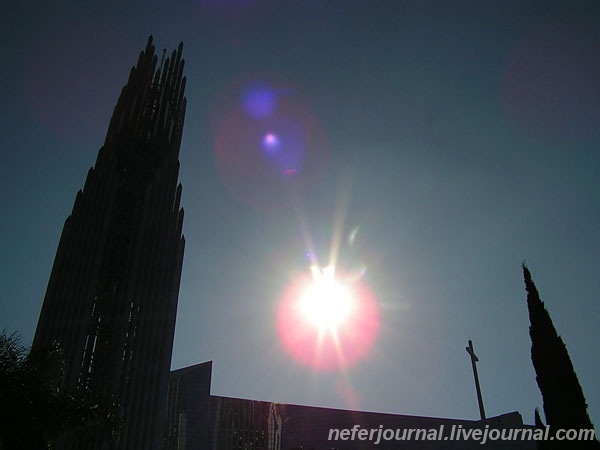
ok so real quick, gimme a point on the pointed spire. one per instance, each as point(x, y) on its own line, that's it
point(152, 104)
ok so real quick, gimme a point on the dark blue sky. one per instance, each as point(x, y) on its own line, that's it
point(458, 138)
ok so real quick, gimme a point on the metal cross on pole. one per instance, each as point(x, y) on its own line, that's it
point(474, 360)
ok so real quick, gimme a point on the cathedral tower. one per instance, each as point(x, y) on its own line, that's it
point(112, 296)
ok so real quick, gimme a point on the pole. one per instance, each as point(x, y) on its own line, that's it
point(474, 360)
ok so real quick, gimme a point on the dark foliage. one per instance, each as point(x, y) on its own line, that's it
point(34, 410)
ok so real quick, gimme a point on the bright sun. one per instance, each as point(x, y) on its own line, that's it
point(327, 322)
point(326, 303)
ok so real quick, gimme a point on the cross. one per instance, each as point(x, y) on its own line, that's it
point(474, 360)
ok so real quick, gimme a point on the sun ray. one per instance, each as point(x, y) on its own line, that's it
point(338, 348)
point(343, 194)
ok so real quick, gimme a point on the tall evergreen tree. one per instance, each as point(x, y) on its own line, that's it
point(564, 402)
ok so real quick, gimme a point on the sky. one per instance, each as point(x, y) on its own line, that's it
point(425, 149)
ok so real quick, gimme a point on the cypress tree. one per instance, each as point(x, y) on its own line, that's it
point(564, 402)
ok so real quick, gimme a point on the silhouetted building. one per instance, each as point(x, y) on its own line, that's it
point(200, 421)
point(188, 407)
point(112, 296)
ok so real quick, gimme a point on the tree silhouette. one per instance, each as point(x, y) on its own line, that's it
point(34, 410)
point(564, 402)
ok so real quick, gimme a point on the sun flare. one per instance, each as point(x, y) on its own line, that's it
point(326, 302)
point(327, 322)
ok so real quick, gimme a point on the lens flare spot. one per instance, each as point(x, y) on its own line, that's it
point(267, 142)
point(352, 236)
point(550, 81)
point(270, 142)
point(259, 101)
point(60, 89)
point(248, 10)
